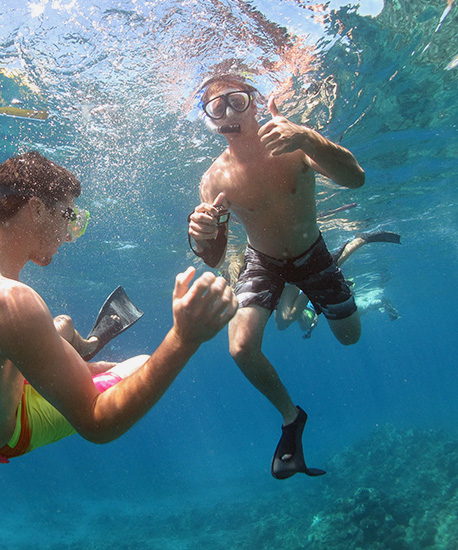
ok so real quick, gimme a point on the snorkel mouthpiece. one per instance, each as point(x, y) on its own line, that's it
point(229, 129)
point(224, 129)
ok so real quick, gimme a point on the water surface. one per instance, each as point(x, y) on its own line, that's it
point(118, 80)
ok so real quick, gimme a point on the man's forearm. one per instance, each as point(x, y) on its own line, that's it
point(336, 162)
point(120, 407)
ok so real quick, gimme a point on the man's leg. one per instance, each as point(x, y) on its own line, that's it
point(347, 330)
point(246, 331)
point(245, 339)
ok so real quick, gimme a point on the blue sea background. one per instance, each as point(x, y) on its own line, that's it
point(119, 81)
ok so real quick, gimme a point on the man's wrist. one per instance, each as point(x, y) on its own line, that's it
point(186, 346)
point(305, 138)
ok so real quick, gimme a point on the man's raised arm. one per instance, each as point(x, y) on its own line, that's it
point(280, 136)
point(56, 371)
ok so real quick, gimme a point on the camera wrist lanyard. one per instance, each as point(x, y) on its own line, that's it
point(212, 255)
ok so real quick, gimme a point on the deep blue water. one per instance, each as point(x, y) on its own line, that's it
point(116, 78)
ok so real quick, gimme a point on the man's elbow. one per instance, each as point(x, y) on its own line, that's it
point(96, 436)
point(97, 430)
point(357, 179)
point(361, 179)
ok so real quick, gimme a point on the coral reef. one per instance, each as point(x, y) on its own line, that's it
point(396, 489)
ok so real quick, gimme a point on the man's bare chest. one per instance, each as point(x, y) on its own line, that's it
point(264, 190)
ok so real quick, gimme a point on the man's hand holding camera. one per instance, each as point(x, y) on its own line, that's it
point(204, 221)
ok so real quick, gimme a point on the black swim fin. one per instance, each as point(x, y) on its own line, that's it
point(291, 444)
point(117, 314)
point(379, 237)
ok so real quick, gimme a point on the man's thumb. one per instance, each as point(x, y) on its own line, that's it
point(221, 200)
point(182, 281)
point(273, 109)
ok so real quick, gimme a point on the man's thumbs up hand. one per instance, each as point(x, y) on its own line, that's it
point(279, 135)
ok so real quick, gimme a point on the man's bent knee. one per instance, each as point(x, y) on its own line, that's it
point(243, 351)
point(347, 331)
point(246, 333)
point(348, 339)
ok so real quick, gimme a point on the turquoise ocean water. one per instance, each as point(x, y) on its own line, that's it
point(118, 80)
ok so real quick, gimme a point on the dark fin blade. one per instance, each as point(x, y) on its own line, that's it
point(291, 444)
point(380, 237)
point(117, 314)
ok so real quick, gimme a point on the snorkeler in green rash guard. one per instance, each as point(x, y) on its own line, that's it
point(39, 365)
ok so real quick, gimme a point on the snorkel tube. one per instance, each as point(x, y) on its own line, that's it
point(223, 129)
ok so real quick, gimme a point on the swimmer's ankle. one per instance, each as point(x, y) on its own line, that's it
point(290, 417)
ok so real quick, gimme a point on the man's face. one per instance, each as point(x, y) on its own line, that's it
point(55, 224)
point(225, 110)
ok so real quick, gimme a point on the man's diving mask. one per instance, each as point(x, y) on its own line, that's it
point(77, 219)
point(216, 109)
point(238, 101)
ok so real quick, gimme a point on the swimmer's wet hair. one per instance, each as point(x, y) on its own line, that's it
point(218, 83)
point(33, 175)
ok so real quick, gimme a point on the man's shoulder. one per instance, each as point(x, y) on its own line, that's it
point(206, 188)
point(24, 316)
point(11, 289)
point(17, 298)
point(214, 179)
point(218, 163)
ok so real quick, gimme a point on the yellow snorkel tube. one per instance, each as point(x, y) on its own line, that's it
point(17, 82)
point(36, 114)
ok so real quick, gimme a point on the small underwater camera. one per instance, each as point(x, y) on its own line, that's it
point(223, 215)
